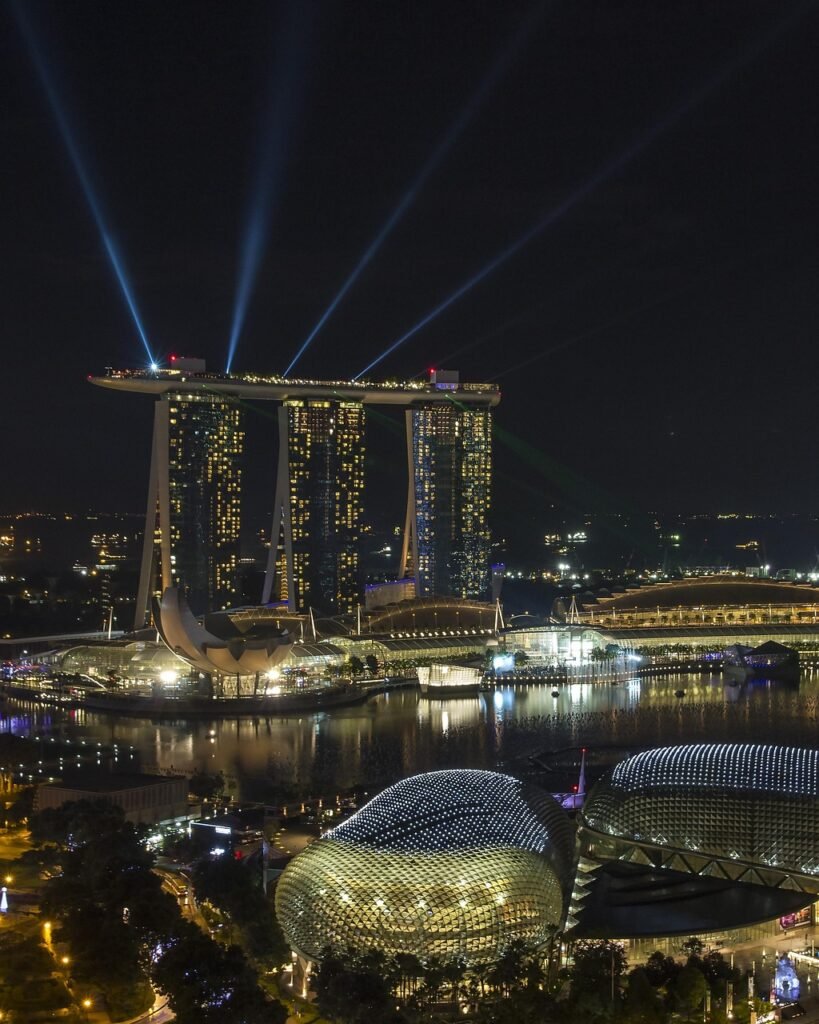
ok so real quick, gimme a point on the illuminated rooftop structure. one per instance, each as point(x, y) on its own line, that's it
point(747, 767)
point(262, 387)
point(317, 513)
point(739, 813)
point(754, 805)
point(703, 602)
point(449, 864)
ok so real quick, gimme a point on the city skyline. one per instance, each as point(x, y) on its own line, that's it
point(409, 551)
point(192, 533)
point(669, 279)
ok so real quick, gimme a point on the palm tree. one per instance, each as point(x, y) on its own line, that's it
point(433, 975)
point(454, 971)
point(409, 969)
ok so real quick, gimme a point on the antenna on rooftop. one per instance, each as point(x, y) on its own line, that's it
point(581, 782)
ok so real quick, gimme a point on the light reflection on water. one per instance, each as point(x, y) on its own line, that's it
point(401, 733)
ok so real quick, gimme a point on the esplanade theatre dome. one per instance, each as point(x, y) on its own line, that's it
point(753, 805)
point(449, 863)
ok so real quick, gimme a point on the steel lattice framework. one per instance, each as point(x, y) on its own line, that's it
point(745, 812)
point(446, 864)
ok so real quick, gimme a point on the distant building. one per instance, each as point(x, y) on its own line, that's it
point(450, 465)
point(318, 511)
point(194, 505)
point(145, 799)
point(381, 595)
point(449, 864)
point(698, 837)
point(195, 484)
point(225, 832)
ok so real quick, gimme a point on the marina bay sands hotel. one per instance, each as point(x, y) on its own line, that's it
point(193, 520)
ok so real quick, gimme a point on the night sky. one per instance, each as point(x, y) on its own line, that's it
point(655, 342)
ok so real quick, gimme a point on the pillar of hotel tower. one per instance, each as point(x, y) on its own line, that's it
point(446, 533)
point(317, 512)
point(193, 519)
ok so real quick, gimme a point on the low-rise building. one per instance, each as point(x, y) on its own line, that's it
point(145, 799)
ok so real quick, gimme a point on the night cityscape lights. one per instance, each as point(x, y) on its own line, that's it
point(318, 507)
point(195, 488)
point(451, 477)
point(386, 703)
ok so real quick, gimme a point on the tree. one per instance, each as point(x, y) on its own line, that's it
point(641, 1003)
point(510, 969)
point(454, 973)
point(433, 979)
point(353, 989)
point(207, 984)
point(372, 663)
point(236, 889)
point(206, 786)
point(661, 970)
point(77, 823)
point(692, 946)
point(716, 968)
point(22, 807)
point(356, 665)
point(408, 969)
point(109, 905)
point(598, 967)
point(690, 988)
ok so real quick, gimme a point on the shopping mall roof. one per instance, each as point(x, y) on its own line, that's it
point(711, 591)
point(432, 643)
point(317, 649)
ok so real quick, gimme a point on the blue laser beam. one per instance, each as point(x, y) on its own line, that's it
point(603, 174)
point(286, 87)
point(499, 68)
point(94, 203)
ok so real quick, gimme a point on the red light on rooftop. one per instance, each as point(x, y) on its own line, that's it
point(173, 359)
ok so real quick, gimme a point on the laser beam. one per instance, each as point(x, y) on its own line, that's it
point(70, 142)
point(603, 174)
point(491, 79)
point(286, 90)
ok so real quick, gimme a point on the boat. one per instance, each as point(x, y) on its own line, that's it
point(770, 660)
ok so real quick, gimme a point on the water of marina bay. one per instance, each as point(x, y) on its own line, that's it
point(521, 729)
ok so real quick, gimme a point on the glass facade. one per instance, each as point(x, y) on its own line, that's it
point(735, 802)
point(326, 460)
point(205, 447)
point(452, 467)
point(451, 863)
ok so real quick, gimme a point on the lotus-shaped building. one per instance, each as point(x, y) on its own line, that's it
point(238, 656)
